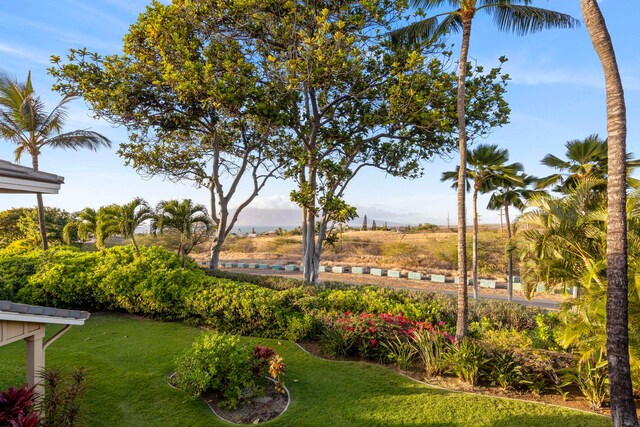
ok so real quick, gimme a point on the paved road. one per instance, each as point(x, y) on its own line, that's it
point(548, 304)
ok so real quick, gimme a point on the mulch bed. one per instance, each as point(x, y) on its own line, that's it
point(257, 410)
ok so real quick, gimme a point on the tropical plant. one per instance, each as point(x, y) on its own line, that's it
point(485, 164)
point(585, 158)
point(517, 16)
point(61, 404)
point(511, 190)
point(191, 221)
point(85, 226)
point(432, 347)
point(504, 370)
point(623, 409)
point(591, 378)
point(124, 220)
point(16, 407)
point(467, 360)
point(400, 351)
point(25, 122)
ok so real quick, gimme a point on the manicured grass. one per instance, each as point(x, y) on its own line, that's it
point(128, 360)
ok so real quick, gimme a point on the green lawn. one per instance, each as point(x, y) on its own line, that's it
point(128, 360)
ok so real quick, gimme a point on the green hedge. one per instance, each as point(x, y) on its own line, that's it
point(153, 284)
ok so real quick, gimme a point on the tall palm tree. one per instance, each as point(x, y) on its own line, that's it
point(485, 164)
point(190, 220)
point(623, 409)
point(125, 219)
point(511, 190)
point(25, 122)
point(516, 16)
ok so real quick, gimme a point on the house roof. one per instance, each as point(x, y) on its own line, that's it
point(38, 314)
point(22, 179)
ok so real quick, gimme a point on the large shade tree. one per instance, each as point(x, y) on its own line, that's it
point(623, 409)
point(515, 16)
point(349, 98)
point(26, 122)
point(195, 106)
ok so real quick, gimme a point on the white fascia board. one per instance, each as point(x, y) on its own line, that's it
point(34, 318)
point(28, 186)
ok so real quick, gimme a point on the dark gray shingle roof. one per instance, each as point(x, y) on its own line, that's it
point(22, 172)
point(36, 310)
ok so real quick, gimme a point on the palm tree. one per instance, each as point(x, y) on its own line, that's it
point(584, 158)
point(623, 409)
point(124, 220)
point(25, 122)
point(516, 16)
point(485, 164)
point(191, 221)
point(511, 190)
point(85, 225)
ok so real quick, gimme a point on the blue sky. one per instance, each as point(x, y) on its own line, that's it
point(556, 94)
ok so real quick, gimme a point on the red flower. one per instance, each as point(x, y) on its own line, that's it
point(373, 342)
point(372, 329)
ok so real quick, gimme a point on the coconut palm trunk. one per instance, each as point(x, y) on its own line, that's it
point(509, 255)
point(475, 242)
point(463, 311)
point(623, 410)
point(41, 223)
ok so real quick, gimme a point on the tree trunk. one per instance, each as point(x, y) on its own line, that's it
point(311, 263)
point(463, 304)
point(475, 244)
point(623, 410)
point(40, 203)
point(509, 255)
point(135, 244)
point(218, 240)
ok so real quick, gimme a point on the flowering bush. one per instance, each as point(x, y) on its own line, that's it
point(364, 333)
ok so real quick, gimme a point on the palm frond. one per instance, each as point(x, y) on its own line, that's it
point(524, 19)
point(78, 139)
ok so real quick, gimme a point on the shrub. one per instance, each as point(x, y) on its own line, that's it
point(218, 363)
point(337, 341)
point(400, 351)
point(504, 370)
point(592, 379)
point(432, 346)
point(467, 359)
point(61, 405)
point(16, 407)
point(65, 278)
point(366, 331)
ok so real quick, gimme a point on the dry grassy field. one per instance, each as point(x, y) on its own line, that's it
point(432, 252)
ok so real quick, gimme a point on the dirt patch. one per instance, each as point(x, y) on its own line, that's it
point(258, 410)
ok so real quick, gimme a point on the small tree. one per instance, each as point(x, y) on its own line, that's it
point(374, 227)
point(124, 220)
point(364, 224)
point(191, 221)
